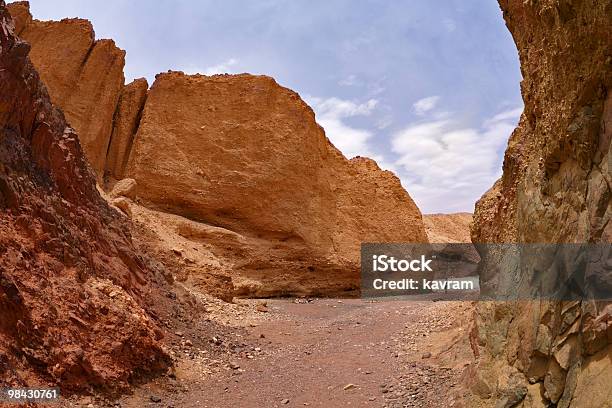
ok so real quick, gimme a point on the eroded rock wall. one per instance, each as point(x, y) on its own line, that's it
point(242, 153)
point(448, 228)
point(125, 125)
point(72, 288)
point(555, 188)
point(84, 76)
point(235, 152)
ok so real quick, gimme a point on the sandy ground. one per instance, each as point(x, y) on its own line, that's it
point(316, 353)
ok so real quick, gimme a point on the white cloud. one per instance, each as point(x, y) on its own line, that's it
point(350, 80)
point(223, 68)
point(449, 24)
point(332, 115)
point(384, 122)
point(446, 167)
point(227, 67)
point(422, 106)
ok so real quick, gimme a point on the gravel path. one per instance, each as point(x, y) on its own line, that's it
point(325, 353)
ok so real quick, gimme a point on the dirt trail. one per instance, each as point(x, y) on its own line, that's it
point(323, 353)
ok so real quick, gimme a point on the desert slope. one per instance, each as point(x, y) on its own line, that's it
point(448, 228)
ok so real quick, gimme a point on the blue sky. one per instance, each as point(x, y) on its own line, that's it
point(430, 89)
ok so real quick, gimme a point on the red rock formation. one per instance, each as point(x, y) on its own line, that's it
point(84, 76)
point(71, 284)
point(239, 153)
point(555, 188)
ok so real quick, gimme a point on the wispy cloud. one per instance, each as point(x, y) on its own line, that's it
point(422, 106)
point(332, 114)
point(350, 80)
point(445, 166)
point(223, 68)
point(226, 67)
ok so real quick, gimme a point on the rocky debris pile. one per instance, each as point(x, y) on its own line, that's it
point(241, 157)
point(420, 387)
point(72, 288)
point(555, 187)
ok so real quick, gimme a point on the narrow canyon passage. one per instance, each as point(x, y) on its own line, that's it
point(325, 353)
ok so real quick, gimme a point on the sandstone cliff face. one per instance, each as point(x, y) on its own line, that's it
point(448, 228)
point(84, 76)
point(238, 153)
point(72, 288)
point(244, 154)
point(555, 188)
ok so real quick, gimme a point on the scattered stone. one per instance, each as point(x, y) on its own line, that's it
point(285, 401)
point(124, 188)
point(233, 365)
point(155, 398)
point(124, 205)
point(426, 355)
point(348, 387)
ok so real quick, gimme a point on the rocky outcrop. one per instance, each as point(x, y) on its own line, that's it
point(235, 152)
point(84, 76)
point(243, 154)
point(72, 288)
point(555, 188)
point(125, 126)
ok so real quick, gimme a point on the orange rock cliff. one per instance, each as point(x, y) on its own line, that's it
point(237, 154)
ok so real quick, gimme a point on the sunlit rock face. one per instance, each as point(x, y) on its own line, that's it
point(84, 76)
point(555, 187)
point(239, 155)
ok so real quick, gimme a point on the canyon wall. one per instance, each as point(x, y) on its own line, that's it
point(84, 76)
point(555, 188)
point(73, 290)
point(448, 228)
point(236, 153)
